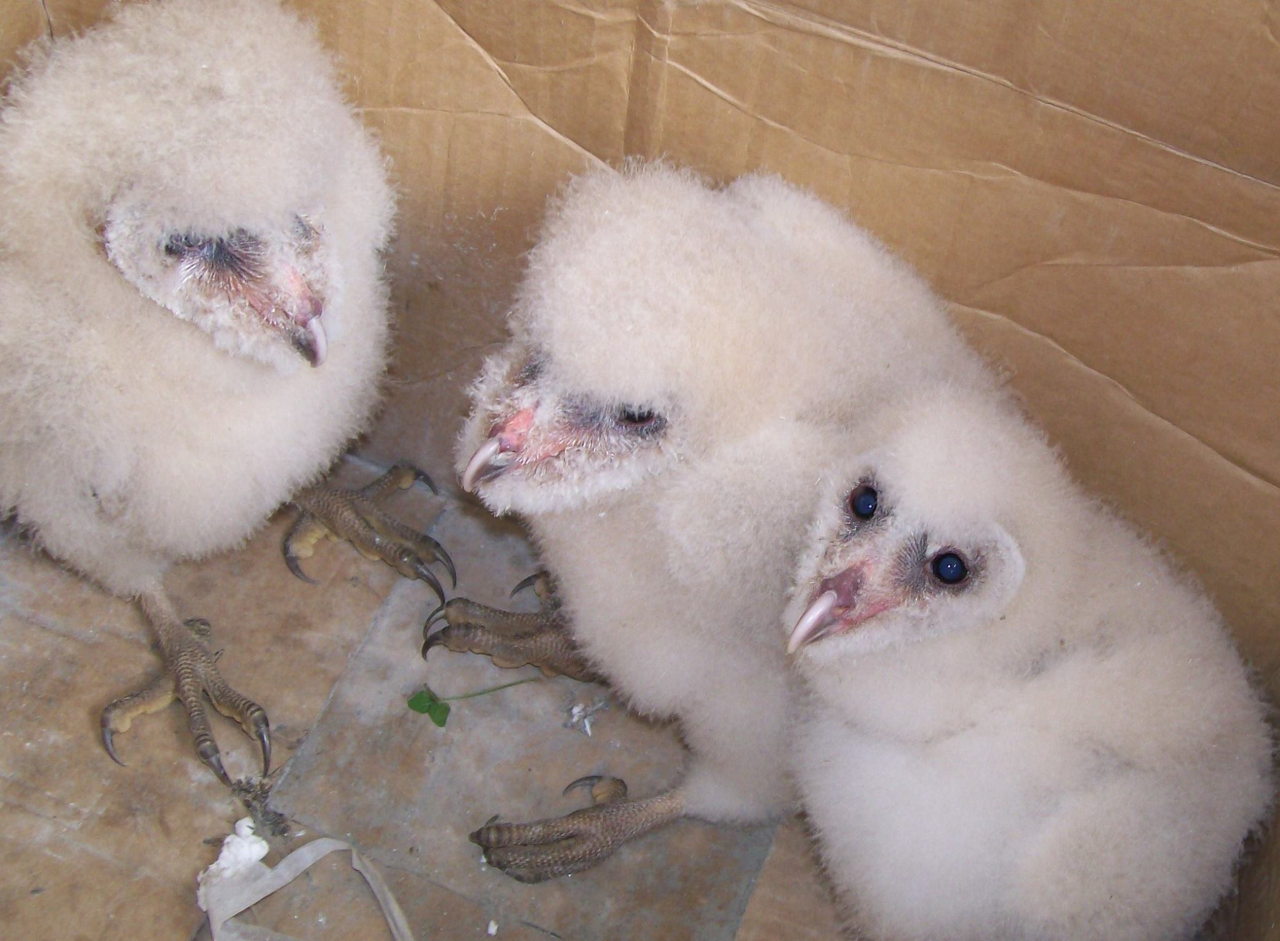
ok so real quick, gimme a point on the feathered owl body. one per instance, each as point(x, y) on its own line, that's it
point(1023, 721)
point(190, 216)
point(681, 356)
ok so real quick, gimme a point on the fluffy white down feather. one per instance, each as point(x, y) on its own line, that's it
point(131, 437)
point(1067, 746)
point(756, 321)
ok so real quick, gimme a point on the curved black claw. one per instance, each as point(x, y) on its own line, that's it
point(604, 789)
point(587, 781)
point(420, 475)
point(208, 753)
point(264, 740)
point(526, 582)
point(411, 558)
point(109, 742)
point(443, 558)
point(431, 640)
point(354, 515)
point(291, 561)
point(425, 574)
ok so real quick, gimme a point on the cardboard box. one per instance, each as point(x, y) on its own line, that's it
point(1094, 187)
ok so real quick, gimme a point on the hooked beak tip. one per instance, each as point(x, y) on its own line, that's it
point(481, 466)
point(316, 344)
point(811, 624)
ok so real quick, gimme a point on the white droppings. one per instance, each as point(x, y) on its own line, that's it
point(239, 851)
point(493, 928)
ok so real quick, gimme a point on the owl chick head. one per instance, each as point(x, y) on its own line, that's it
point(937, 530)
point(662, 316)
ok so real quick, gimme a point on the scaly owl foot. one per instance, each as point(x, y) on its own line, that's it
point(546, 849)
point(354, 515)
point(509, 638)
point(190, 671)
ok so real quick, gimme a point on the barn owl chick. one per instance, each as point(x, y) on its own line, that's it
point(1023, 722)
point(193, 318)
point(681, 356)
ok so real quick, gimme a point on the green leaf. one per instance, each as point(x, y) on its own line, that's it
point(438, 712)
point(436, 708)
point(422, 701)
point(430, 705)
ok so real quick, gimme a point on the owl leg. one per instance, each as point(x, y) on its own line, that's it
point(510, 638)
point(354, 515)
point(546, 849)
point(190, 673)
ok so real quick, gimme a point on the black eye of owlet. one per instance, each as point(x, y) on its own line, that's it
point(863, 502)
point(636, 417)
point(949, 568)
point(178, 245)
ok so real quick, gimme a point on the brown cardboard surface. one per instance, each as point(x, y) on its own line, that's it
point(1198, 77)
point(23, 21)
point(1093, 187)
point(1151, 270)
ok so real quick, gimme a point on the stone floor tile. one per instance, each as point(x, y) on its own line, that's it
point(111, 850)
point(331, 902)
point(791, 900)
point(408, 792)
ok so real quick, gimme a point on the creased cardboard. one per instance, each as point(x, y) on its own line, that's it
point(1095, 187)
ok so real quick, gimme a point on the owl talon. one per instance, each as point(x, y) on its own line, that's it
point(190, 674)
point(109, 743)
point(354, 515)
point(526, 582)
point(510, 639)
point(291, 561)
point(545, 849)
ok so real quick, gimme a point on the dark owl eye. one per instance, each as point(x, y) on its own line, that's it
point(643, 423)
point(863, 501)
point(949, 568)
point(178, 245)
point(636, 417)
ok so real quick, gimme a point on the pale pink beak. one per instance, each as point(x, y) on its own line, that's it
point(815, 618)
point(299, 309)
point(841, 604)
point(506, 441)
